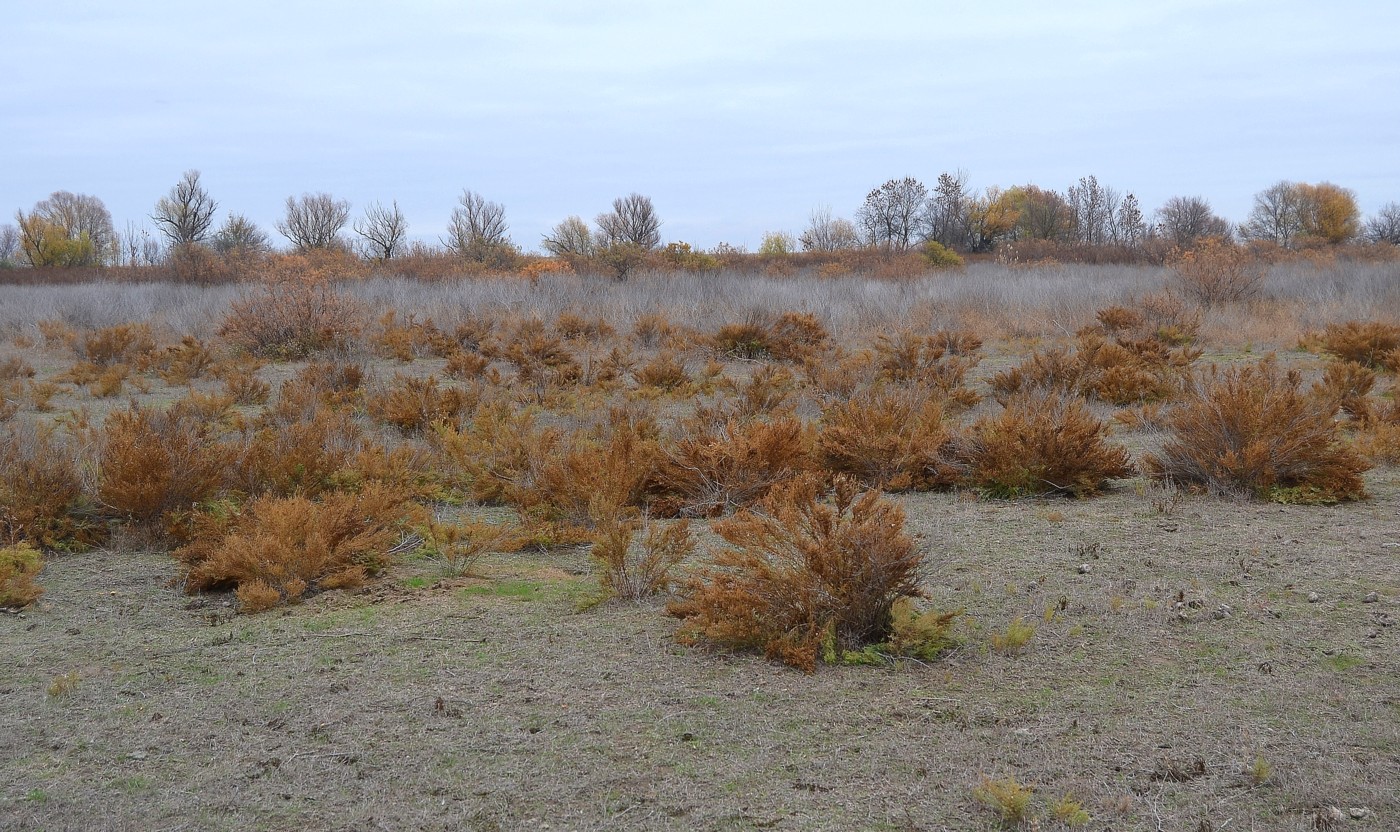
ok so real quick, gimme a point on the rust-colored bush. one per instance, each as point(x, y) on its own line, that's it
point(765, 393)
point(291, 316)
point(894, 439)
point(939, 361)
point(718, 462)
point(151, 462)
point(1253, 431)
point(1217, 272)
point(412, 404)
point(1120, 371)
point(19, 565)
point(800, 573)
point(654, 329)
point(186, 361)
point(410, 339)
point(796, 335)
point(663, 372)
point(631, 571)
point(276, 549)
point(296, 450)
point(467, 366)
point(242, 383)
point(121, 344)
point(41, 493)
point(1344, 385)
point(1041, 444)
point(747, 340)
point(572, 326)
point(541, 358)
point(1371, 343)
point(14, 367)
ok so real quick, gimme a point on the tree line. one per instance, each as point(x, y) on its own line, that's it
point(900, 215)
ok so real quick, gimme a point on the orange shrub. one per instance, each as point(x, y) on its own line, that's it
point(151, 462)
point(1344, 385)
point(41, 493)
point(633, 572)
point(939, 361)
point(276, 549)
point(800, 574)
point(719, 462)
point(1217, 272)
point(122, 344)
point(412, 404)
point(291, 316)
point(1253, 431)
point(186, 361)
point(292, 450)
point(1371, 343)
point(1041, 444)
point(888, 438)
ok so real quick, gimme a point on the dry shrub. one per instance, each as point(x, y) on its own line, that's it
point(795, 336)
point(19, 565)
point(11, 392)
point(572, 326)
point(663, 372)
point(41, 492)
point(241, 382)
point(1372, 343)
point(1217, 272)
point(894, 439)
point(718, 462)
point(465, 365)
point(654, 329)
point(1146, 416)
point(41, 394)
point(939, 361)
point(57, 334)
point(747, 340)
point(541, 358)
point(1121, 371)
point(186, 361)
point(1254, 431)
point(276, 549)
point(411, 339)
point(1379, 441)
point(14, 367)
point(121, 344)
point(459, 546)
point(412, 404)
point(303, 450)
point(110, 381)
point(152, 462)
point(632, 571)
point(1041, 444)
point(766, 392)
point(838, 375)
point(801, 572)
point(1344, 385)
point(291, 314)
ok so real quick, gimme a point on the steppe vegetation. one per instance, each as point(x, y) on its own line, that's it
point(513, 539)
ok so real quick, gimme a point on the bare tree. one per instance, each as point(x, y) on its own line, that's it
point(185, 215)
point(827, 233)
point(383, 230)
point(240, 235)
point(477, 230)
point(1384, 227)
point(138, 247)
point(1093, 208)
point(1277, 215)
point(570, 238)
point(1185, 219)
point(632, 221)
point(947, 216)
point(314, 221)
point(9, 245)
point(893, 213)
point(1130, 227)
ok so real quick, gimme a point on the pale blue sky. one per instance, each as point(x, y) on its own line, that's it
point(735, 117)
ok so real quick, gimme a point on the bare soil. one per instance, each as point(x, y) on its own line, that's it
point(1182, 648)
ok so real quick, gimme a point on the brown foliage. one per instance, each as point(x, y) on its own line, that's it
point(276, 549)
point(412, 404)
point(572, 326)
point(41, 492)
point(291, 315)
point(939, 361)
point(1253, 431)
point(411, 339)
point(541, 358)
point(14, 367)
point(1217, 272)
point(151, 462)
point(1344, 385)
point(718, 462)
point(663, 372)
point(121, 344)
point(888, 438)
point(799, 572)
point(1372, 343)
point(19, 564)
point(1121, 371)
point(297, 449)
point(632, 572)
point(1041, 444)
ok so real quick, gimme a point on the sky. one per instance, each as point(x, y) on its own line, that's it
point(736, 118)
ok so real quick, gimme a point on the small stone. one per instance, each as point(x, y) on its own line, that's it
point(1313, 597)
point(1328, 815)
point(1357, 813)
point(1084, 568)
point(1371, 598)
point(136, 755)
point(1223, 611)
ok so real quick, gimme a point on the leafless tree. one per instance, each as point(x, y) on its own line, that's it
point(827, 233)
point(1384, 227)
point(314, 221)
point(1277, 215)
point(384, 231)
point(947, 216)
point(1130, 226)
point(138, 247)
point(1183, 220)
point(893, 213)
point(570, 238)
point(185, 215)
point(1093, 207)
point(9, 244)
point(240, 235)
point(632, 221)
point(478, 230)
point(75, 215)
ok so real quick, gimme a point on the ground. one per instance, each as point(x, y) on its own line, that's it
point(1197, 664)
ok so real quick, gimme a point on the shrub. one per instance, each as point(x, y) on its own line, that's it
point(186, 361)
point(276, 549)
point(122, 344)
point(1008, 798)
point(719, 462)
point(748, 340)
point(242, 383)
point(764, 393)
point(632, 572)
point(151, 462)
point(458, 546)
point(1370, 343)
point(664, 372)
point(1217, 272)
point(939, 361)
point(412, 404)
point(291, 315)
point(540, 357)
point(15, 367)
point(41, 493)
point(1119, 371)
point(1344, 385)
point(888, 438)
point(300, 449)
point(1041, 444)
point(939, 256)
point(800, 572)
point(1253, 431)
point(19, 564)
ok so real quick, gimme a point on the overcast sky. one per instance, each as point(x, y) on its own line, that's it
point(735, 117)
